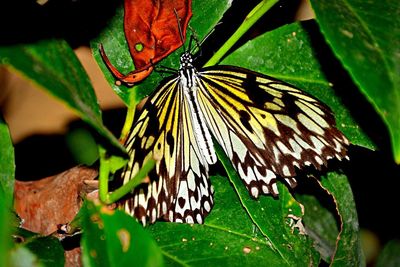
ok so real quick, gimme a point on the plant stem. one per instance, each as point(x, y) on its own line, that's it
point(126, 188)
point(104, 172)
point(255, 14)
point(130, 114)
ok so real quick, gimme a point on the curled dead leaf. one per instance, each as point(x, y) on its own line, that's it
point(152, 32)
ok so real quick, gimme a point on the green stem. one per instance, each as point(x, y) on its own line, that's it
point(126, 188)
point(130, 114)
point(104, 172)
point(249, 21)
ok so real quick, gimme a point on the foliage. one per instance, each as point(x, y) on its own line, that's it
point(362, 39)
point(294, 229)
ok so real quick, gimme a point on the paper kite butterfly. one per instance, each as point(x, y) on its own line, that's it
point(266, 127)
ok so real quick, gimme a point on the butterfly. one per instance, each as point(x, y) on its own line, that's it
point(267, 127)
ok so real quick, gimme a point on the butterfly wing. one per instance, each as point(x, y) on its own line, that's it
point(178, 189)
point(266, 127)
point(194, 198)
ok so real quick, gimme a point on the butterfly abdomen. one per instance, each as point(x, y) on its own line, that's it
point(188, 83)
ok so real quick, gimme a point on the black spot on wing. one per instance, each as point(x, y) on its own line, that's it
point(153, 126)
point(181, 202)
point(245, 120)
point(257, 96)
point(170, 142)
point(290, 108)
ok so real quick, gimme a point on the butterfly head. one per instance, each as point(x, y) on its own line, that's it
point(186, 61)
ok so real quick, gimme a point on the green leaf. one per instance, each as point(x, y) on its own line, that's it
point(22, 257)
point(276, 219)
point(113, 238)
point(48, 250)
point(53, 66)
point(365, 36)
point(82, 146)
point(287, 54)
point(320, 224)
point(348, 248)
point(7, 166)
point(38, 251)
point(334, 208)
point(389, 257)
point(230, 237)
point(7, 171)
point(116, 48)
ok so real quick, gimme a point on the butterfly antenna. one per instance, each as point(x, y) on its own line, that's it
point(180, 29)
point(206, 37)
point(192, 37)
point(199, 44)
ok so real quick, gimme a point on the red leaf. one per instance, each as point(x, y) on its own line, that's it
point(152, 32)
point(46, 203)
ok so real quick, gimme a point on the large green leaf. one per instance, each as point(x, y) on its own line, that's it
point(53, 65)
point(348, 247)
point(7, 171)
point(331, 221)
point(365, 36)
point(113, 238)
point(287, 54)
point(230, 237)
point(320, 224)
point(116, 48)
point(278, 220)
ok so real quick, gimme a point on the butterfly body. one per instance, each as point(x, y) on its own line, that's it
point(266, 127)
point(188, 81)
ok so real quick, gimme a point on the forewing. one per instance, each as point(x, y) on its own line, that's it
point(178, 189)
point(267, 128)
